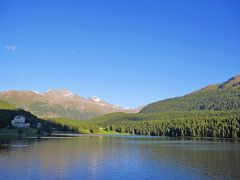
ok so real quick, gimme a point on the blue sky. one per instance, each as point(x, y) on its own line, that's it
point(128, 52)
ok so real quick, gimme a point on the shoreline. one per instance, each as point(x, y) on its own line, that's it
point(4, 137)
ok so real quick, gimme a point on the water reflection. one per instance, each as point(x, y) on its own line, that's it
point(119, 158)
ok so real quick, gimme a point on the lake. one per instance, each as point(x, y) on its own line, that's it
point(119, 157)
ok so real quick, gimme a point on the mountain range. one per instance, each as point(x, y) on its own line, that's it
point(61, 103)
point(65, 104)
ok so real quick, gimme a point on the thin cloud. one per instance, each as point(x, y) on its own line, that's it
point(11, 47)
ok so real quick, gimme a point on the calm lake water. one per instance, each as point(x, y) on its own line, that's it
point(122, 158)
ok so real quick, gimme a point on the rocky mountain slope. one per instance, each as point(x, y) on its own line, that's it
point(62, 103)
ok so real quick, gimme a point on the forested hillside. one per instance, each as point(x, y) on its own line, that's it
point(225, 124)
point(224, 96)
point(213, 111)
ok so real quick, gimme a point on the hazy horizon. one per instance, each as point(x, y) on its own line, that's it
point(126, 52)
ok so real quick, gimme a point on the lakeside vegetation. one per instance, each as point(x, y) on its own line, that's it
point(70, 125)
point(223, 124)
point(48, 126)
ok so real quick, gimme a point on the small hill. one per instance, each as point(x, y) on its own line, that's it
point(6, 115)
point(223, 96)
point(59, 124)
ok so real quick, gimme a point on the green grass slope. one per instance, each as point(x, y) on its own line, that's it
point(5, 105)
point(82, 127)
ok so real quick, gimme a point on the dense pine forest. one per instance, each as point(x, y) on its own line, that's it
point(224, 124)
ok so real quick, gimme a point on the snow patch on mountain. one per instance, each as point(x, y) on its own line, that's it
point(36, 92)
point(95, 99)
point(49, 90)
point(68, 94)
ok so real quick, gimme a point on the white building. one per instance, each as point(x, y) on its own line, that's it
point(19, 122)
point(39, 125)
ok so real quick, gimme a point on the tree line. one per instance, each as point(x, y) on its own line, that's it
point(223, 124)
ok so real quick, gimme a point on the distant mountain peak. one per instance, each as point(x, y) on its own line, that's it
point(68, 94)
point(65, 92)
point(237, 77)
point(62, 92)
point(49, 90)
point(101, 102)
point(95, 99)
point(233, 81)
point(36, 92)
